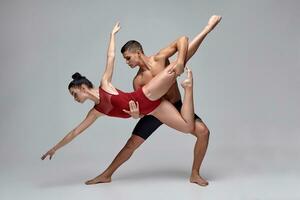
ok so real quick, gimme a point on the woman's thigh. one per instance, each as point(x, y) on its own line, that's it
point(160, 84)
point(169, 115)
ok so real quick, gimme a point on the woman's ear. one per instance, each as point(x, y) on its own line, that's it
point(83, 88)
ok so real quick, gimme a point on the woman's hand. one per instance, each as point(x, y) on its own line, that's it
point(116, 28)
point(50, 153)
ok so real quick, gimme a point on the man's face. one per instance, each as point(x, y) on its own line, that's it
point(132, 58)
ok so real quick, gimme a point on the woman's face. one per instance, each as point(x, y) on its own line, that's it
point(79, 94)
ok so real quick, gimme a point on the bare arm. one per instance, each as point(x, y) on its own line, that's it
point(180, 45)
point(137, 82)
point(110, 61)
point(90, 119)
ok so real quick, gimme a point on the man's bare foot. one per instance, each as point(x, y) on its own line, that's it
point(188, 82)
point(212, 22)
point(198, 180)
point(98, 179)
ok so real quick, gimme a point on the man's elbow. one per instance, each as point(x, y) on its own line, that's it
point(184, 39)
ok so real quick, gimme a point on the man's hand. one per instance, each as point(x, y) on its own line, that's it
point(134, 109)
point(177, 67)
point(50, 153)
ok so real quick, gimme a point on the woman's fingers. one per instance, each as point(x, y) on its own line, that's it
point(127, 111)
point(49, 153)
point(133, 109)
point(44, 156)
point(116, 27)
point(132, 106)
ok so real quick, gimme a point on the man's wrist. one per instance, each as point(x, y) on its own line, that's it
point(180, 61)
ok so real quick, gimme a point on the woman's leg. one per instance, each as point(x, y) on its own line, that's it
point(168, 114)
point(160, 84)
point(195, 43)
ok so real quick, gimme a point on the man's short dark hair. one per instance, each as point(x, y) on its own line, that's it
point(132, 46)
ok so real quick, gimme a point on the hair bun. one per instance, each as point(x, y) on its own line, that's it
point(76, 76)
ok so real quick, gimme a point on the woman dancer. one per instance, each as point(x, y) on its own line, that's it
point(113, 102)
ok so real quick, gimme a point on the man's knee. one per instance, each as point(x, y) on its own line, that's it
point(201, 130)
point(134, 142)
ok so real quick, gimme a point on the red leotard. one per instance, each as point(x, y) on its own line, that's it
point(113, 105)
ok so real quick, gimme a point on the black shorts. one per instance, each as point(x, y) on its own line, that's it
point(148, 124)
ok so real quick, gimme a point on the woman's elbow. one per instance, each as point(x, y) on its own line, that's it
point(111, 56)
point(74, 133)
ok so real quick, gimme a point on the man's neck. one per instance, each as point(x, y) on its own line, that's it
point(144, 63)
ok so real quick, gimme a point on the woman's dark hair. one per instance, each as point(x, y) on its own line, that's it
point(78, 80)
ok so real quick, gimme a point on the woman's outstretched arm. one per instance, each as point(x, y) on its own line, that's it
point(110, 61)
point(90, 119)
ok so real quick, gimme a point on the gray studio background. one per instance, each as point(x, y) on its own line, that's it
point(246, 90)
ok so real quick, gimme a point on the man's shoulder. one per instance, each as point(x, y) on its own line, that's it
point(158, 57)
point(138, 76)
point(137, 81)
point(159, 60)
point(142, 77)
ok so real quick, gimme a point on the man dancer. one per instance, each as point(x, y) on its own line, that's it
point(150, 66)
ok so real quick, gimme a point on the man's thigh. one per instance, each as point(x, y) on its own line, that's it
point(146, 126)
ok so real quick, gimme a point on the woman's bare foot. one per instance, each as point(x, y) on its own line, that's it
point(198, 180)
point(99, 179)
point(188, 82)
point(212, 22)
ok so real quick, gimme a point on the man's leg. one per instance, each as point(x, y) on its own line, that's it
point(143, 129)
point(132, 144)
point(202, 134)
